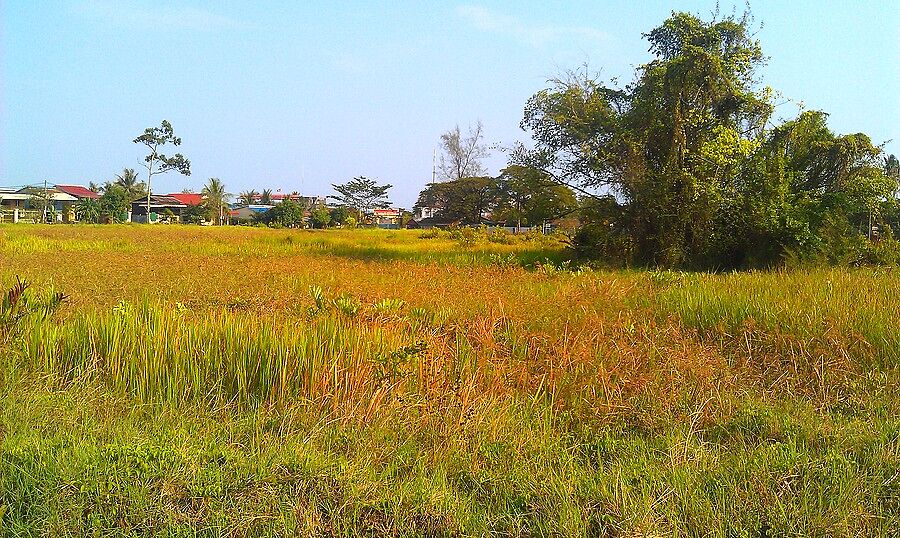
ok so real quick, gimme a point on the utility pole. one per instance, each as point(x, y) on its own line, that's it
point(433, 164)
point(46, 201)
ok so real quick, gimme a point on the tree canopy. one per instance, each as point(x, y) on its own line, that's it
point(684, 167)
point(362, 194)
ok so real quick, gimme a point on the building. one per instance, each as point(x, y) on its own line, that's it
point(36, 204)
point(246, 213)
point(163, 209)
point(387, 217)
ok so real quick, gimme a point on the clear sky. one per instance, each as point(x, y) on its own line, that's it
point(301, 94)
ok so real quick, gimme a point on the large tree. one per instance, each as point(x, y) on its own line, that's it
point(462, 156)
point(671, 160)
point(362, 195)
point(466, 200)
point(156, 139)
point(529, 196)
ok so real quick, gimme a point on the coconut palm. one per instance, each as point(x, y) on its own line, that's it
point(266, 197)
point(128, 180)
point(215, 198)
point(248, 197)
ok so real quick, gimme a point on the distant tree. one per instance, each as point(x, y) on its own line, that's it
point(155, 139)
point(94, 187)
point(248, 197)
point(266, 197)
point(215, 199)
point(339, 215)
point(892, 169)
point(287, 214)
point(128, 180)
point(320, 217)
point(115, 203)
point(88, 210)
point(461, 156)
point(531, 196)
point(362, 194)
point(465, 200)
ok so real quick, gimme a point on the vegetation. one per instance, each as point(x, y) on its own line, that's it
point(156, 139)
point(347, 382)
point(362, 195)
point(685, 166)
point(215, 199)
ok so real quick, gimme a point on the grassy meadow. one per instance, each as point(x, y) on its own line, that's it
point(251, 382)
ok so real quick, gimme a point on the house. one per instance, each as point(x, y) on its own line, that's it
point(386, 216)
point(78, 191)
point(163, 208)
point(187, 198)
point(26, 204)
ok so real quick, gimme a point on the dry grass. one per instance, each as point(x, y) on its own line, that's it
point(482, 392)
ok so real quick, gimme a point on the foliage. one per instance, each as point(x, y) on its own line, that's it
point(464, 200)
point(155, 139)
point(114, 203)
point(215, 199)
point(683, 163)
point(88, 210)
point(248, 197)
point(462, 156)
point(362, 195)
point(339, 215)
point(287, 214)
point(128, 180)
point(266, 197)
point(529, 197)
point(320, 217)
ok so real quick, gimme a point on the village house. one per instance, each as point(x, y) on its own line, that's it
point(26, 204)
point(164, 208)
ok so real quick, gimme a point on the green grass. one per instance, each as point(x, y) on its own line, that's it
point(252, 382)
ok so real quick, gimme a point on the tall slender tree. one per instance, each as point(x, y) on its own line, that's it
point(156, 162)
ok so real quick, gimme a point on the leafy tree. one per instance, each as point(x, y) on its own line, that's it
point(128, 180)
point(114, 203)
point(339, 215)
point(530, 196)
point(320, 217)
point(681, 167)
point(156, 139)
point(362, 195)
point(287, 214)
point(266, 197)
point(462, 156)
point(215, 199)
point(88, 210)
point(463, 200)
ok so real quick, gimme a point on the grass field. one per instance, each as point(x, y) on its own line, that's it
point(253, 382)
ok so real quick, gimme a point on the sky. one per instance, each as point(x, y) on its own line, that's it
point(300, 95)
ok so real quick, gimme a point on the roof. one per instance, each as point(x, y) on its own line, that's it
point(55, 196)
point(78, 191)
point(387, 212)
point(158, 200)
point(187, 198)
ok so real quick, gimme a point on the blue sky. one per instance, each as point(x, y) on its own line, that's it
point(299, 95)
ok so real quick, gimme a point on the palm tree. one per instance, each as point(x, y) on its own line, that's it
point(94, 187)
point(266, 197)
point(215, 197)
point(128, 180)
point(248, 197)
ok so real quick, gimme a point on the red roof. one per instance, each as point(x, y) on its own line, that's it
point(78, 191)
point(387, 212)
point(187, 198)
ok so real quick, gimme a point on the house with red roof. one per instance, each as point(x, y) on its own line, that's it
point(187, 198)
point(78, 191)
